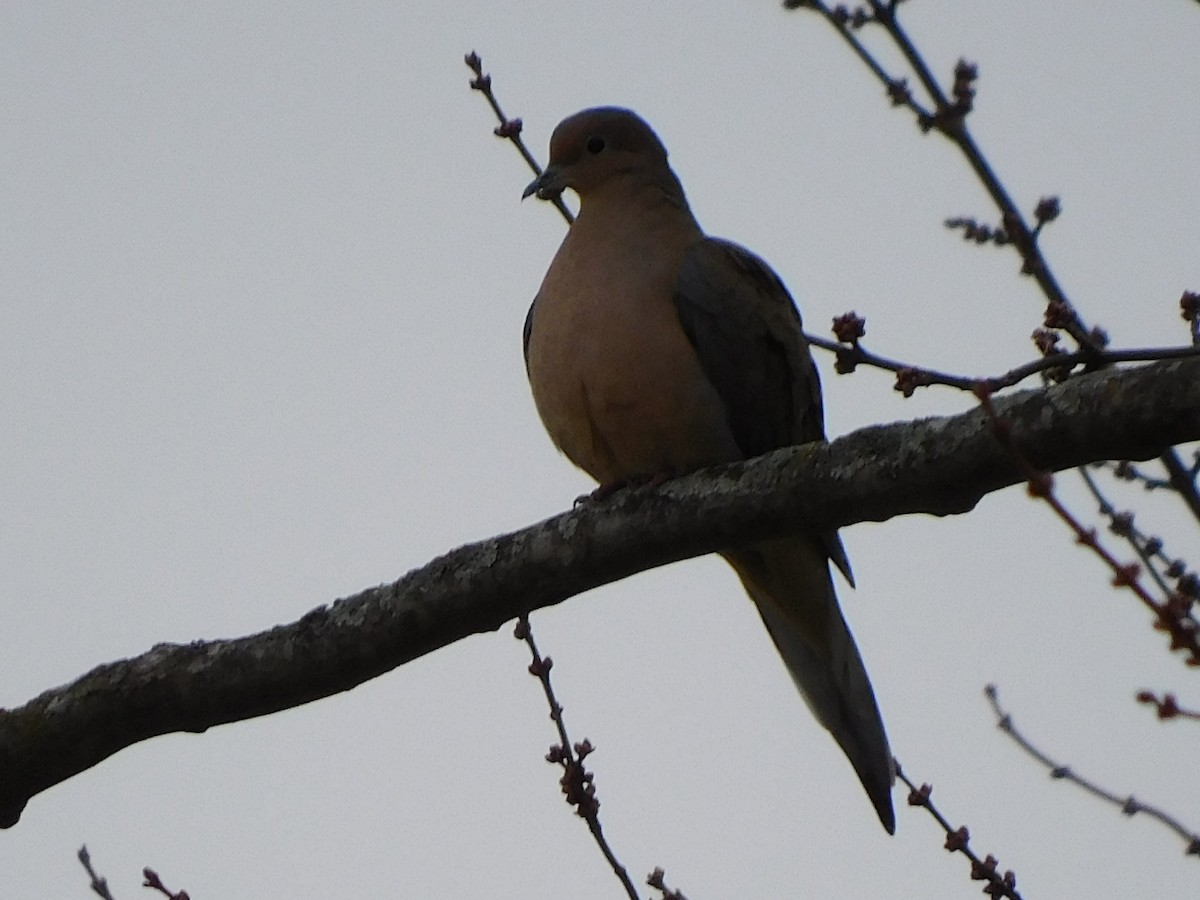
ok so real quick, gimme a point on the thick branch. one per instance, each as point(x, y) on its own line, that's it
point(939, 466)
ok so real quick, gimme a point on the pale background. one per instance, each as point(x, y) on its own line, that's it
point(263, 271)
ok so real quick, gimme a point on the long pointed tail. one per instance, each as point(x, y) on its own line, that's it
point(789, 582)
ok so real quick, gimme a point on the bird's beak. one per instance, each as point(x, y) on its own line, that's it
point(547, 186)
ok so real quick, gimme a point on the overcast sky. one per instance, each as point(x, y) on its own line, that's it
point(263, 271)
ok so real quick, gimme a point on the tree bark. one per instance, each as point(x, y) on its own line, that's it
point(940, 466)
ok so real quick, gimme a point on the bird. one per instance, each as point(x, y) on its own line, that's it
point(653, 350)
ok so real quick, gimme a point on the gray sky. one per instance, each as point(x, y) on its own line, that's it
point(263, 276)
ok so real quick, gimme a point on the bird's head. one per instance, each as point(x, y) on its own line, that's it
point(595, 145)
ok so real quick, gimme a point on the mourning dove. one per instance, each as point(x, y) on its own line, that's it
point(653, 350)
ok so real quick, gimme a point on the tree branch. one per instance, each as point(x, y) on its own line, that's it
point(940, 466)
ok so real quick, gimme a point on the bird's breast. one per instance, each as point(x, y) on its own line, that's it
point(614, 377)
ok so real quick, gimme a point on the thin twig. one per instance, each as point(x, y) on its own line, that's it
point(1128, 805)
point(1149, 549)
point(1169, 616)
point(851, 355)
point(958, 840)
point(885, 14)
point(1182, 480)
point(1189, 311)
point(509, 129)
point(897, 88)
point(1167, 707)
point(578, 785)
point(1127, 471)
point(657, 880)
point(155, 883)
point(949, 120)
point(99, 885)
point(1122, 525)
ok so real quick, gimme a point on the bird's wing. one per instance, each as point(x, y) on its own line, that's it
point(750, 342)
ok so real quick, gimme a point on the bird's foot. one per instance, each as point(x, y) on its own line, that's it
point(608, 488)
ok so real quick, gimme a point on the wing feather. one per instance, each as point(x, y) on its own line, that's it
point(750, 341)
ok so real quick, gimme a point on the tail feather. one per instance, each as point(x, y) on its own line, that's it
point(789, 582)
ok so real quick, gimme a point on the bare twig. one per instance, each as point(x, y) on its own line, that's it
point(897, 88)
point(1128, 805)
point(1150, 550)
point(578, 784)
point(1168, 707)
point(1182, 480)
point(958, 840)
point(656, 880)
point(1170, 616)
point(1189, 311)
point(154, 882)
point(509, 129)
point(948, 118)
point(99, 885)
point(909, 377)
point(1127, 471)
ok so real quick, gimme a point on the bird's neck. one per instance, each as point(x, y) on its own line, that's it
point(651, 200)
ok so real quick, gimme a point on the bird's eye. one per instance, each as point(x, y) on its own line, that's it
point(595, 144)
